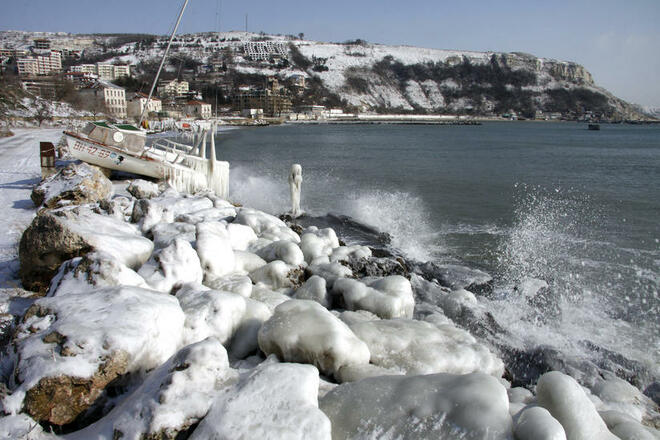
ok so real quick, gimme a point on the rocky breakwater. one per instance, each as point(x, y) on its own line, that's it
point(169, 315)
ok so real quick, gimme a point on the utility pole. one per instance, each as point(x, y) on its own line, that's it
point(246, 23)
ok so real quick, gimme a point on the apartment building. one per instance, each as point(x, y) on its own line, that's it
point(137, 103)
point(40, 64)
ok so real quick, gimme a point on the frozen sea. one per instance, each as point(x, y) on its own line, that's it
point(579, 209)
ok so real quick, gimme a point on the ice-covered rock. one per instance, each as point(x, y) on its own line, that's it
point(209, 313)
point(330, 272)
point(314, 289)
point(536, 423)
point(174, 264)
point(208, 215)
point(75, 184)
point(457, 277)
point(69, 347)
point(304, 331)
point(274, 401)
point(442, 406)
point(172, 398)
point(244, 341)
point(269, 297)
point(240, 236)
point(21, 426)
point(265, 225)
point(567, 402)
point(416, 347)
point(618, 395)
point(283, 250)
point(164, 234)
point(347, 253)
point(316, 243)
point(60, 235)
point(246, 262)
point(214, 249)
point(234, 283)
point(389, 297)
point(627, 428)
point(276, 275)
point(142, 189)
point(166, 208)
point(94, 270)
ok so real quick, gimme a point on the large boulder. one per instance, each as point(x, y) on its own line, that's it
point(439, 406)
point(75, 184)
point(172, 398)
point(175, 264)
point(56, 236)
point(274, 401)
point(306, 332)
point(70, 347)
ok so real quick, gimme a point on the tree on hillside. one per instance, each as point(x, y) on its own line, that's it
point(10, 100)
point(42, 111)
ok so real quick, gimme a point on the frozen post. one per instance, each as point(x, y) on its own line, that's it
point(295, 184)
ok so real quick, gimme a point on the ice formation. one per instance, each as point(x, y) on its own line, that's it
point(304, 331)
point(295, 186)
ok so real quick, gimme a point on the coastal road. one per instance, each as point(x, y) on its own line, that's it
point(19, 172)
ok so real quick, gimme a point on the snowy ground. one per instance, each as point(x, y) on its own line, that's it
point(19, 172)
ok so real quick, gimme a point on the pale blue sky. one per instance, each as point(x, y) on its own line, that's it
point(617, 41)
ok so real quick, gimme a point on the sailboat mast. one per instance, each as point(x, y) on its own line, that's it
point(162, 62)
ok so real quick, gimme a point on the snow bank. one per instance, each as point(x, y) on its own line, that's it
point(416, 347)
point(446, 406)
point(274, 401)
point(304, 331)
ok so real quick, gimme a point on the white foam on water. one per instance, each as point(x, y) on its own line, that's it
point(603, 294)
point(402, 215)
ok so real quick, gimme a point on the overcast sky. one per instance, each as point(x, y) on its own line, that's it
point(617, 41)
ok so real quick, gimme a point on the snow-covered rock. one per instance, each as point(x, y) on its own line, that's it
point(330, 272)
point(317, 244)
point(416, 347)
point(166, 208)
point(22, 427)
point(174, 264)
point(536, 423)
point(209, 313)
point(265, 225)
point(70, 346)
point(283, 250)
point(275, 275)
point(389, 297)
point(304, 331)
point(234, 283)
point(214, 249)
point(164, 234)
point(57, 236)
point(565, 399)
point(274, 401)
point(442, 406)
point(314, 289)
point(94, 270)
point(75, 184)
point(269, 297)
point(142, 189)
point(244, 342)
point(246, 262)
point(171, 399)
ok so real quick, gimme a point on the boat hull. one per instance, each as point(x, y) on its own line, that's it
point(114, 159)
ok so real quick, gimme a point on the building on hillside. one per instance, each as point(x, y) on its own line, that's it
point(114, 98)
point(316, 111)
point(272, 100)
point(40, 64)
point(80, 79)
point(137, 103)
point(198, 109)
point(84, 68)
point(44, 86)
point(264, 50)
point(42, 43)
point(105, 72)
point(172, 88)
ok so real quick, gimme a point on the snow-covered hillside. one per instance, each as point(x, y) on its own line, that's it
point(370, 77)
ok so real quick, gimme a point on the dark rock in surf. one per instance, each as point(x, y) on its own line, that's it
point(456, 277)
point(376, 267)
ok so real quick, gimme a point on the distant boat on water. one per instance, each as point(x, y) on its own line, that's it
point(594, 126)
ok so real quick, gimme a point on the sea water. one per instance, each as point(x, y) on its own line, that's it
point(578, 209)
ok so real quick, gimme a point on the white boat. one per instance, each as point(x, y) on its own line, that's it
point(123, 147)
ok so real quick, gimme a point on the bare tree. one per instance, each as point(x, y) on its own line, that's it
point(42, 111)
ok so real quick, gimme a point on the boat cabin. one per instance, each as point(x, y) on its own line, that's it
point(124, 136)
